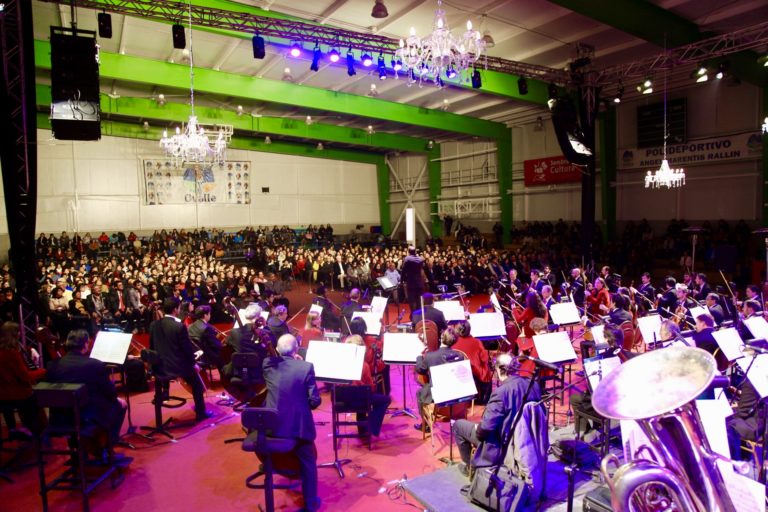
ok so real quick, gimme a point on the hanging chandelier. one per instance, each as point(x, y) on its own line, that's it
point(441, 54)
point(191, 143)
point(665, 176)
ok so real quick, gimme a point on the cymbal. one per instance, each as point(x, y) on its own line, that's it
point(654, 383)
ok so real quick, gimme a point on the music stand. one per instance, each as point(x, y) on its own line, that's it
point(452, 309)
point(336, 363)
point(757, 326)
point(649, 328)
point(756, 371)
point(316, 308)
point(111, 347)
point(452, 383)
point(402, 348)
point(556, 348)
point(372, 321)
point(730, 343)
point(564, 313)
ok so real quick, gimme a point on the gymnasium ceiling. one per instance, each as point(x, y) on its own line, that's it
point(541, 32)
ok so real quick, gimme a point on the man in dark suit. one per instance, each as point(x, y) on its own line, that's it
point(703, 335)
point(277, 322)
point(430, 313)
point(647, 291)
point(668, 299)
point(701, 288)
point(169, 337)
point(291, 389)
point(619, 313)
point(104, 408)
point(349, 308)
point(444, 354)
point(497, 419)
point(203, 335)
point(715, 309)
point(412, 273)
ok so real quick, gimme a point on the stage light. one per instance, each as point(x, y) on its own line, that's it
point(446, 105)
point(370, 130)
point(316, 54)
point(351, 63)
point(374, 91)
point(105, 25)
point(450, 72)
point(522, 86)
point(295, 50)
point(619, 94)
point(379, 10)
point(259, 51)
point(701, 75)
point(161, 99)
point(430, 144)
point(333, 56)
point(320, 146)
point(308, 120)
point(720, 71)
point(239, 110)
point(366, 59)
point(179, 37)
point(382, 68)
point(646, 87)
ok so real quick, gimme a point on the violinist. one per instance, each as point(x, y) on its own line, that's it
point(379, 402)
point(701, 289)
point(478, 358)
point(546, 296)
point(751, 308)
point(251, 337)
point(533, 308)
point(328, 319)
point(16, 380)
point(508, 292)
point(647, 292)
point(610, 280)
point(714, 307)
point(684, 305)
point(669, 331)
point(666, 301)
point(619, 309)
point(203, 335)
point(536, 282)
point(276, 323)
point(598, 298)
point(312, 329)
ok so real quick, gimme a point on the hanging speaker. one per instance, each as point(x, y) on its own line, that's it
point(105, 25)
point(259, 52)
point(568, 131)
point(179, 37)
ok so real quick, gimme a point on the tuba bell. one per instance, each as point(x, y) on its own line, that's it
point(677, 469)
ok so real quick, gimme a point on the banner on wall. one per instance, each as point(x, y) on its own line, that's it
point(167, 183)
point(739, 146)
point(550, 170)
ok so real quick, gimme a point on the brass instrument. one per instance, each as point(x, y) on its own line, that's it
point(678, 471)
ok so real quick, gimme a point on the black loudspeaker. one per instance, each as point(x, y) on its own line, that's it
point(75, 111)
point(568, 131)
point(259, 52)
point(105, 25)
point(179, 37)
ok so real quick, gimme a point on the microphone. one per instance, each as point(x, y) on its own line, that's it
point(539, 362)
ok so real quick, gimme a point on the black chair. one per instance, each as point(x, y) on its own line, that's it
point(65, 402)
point(260, 422)
point(247, 380)
point(352, 400)
point(603, 426)
point(160, 400)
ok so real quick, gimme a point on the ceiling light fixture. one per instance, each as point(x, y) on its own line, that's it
point(370, 129)
point(619, 94)
point(367, 60)
point(351, 63)
point(308, 120)
point(374, 91)
point(433, 55)
point(487, 37)
point(382, 68)
point(333, 56)
point(239, 110)
point(259, 50)
point(379, 10)
point(702, 75)
point(287, 75)
point(161, 99)
point(316, 54)
point(190, 143)
point(295, 50)
point(320, 146)
point(267, 140)
point(665, 176)
point(646, 87)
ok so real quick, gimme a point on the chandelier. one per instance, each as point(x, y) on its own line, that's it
point(441, 54)
point(665, 176)
point(191, 143)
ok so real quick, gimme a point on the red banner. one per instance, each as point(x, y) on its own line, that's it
point(550, 170)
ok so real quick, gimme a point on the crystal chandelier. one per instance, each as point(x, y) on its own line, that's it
point(441, 54)
point(191, 143)
point(665, 176)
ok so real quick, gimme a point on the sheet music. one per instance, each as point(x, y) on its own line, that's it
point(597, 369)
point(713, 422)
point(758, 327)
point(487, 325)
point(316, 308)
point(496, 303)
point(649, 328)
point(401, 347)
point(452, 310)
point(241, 315)
point(336, 362)
point(729, 342)
point(758, 372)
point(385, 283)
point(379, 305)
point(452, 381)
point(564, 313)
point(554, 347)
point(111, 347)
point(372, 321)
point(746, 494)
point(697, 311)
point(598, 333)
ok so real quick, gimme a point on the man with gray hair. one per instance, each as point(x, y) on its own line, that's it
point(251, 338)
point(498, 416)
point(291, 389)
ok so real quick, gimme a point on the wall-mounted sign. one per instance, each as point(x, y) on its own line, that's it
point(166, 183)
point(550, 170)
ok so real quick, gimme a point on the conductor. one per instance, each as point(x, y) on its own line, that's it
point(291, 389)
point(413, 275)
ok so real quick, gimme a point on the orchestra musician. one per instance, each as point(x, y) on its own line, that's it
point(647, 291)
point(666, 301)
point(598, 298)
point(349, 308)
point(312, 329)
point(444, 354)
point(703, 336)
point(700, 288)
point(749, 309)
point(503, 405)
point(329, 320)
point(203, 335)
point(276, 323)
point(536, 282)
point(379, 402)
point(614, 337)
point(251, 338)
point(357, 327)
point(292, 390)
point(610, 280)
point(508, 291)
point(478, 359)
point(534, 308)
point(576, 286)
point(714, 307)
point(16, 380)
point(546, 296)
point(684, 305)
point(430, 312)
point(669, 331)
point(169, 337)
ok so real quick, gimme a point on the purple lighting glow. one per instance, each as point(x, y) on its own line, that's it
point(295, 50)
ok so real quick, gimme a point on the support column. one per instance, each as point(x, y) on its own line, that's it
point(434, 174)
point(504, 174)
point(382, 179)
point(587, 114)
point(18, 150)
point(608, 173)
point(764, 167)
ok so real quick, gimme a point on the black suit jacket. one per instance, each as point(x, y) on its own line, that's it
point(170, 339)
point(204, 336)
point(80, 369)
point(705, 340)
point(277, 327)
point(430, 313)
point(619, 316)
point(291, 389)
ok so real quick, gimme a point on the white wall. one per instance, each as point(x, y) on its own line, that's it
point(97, 186)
